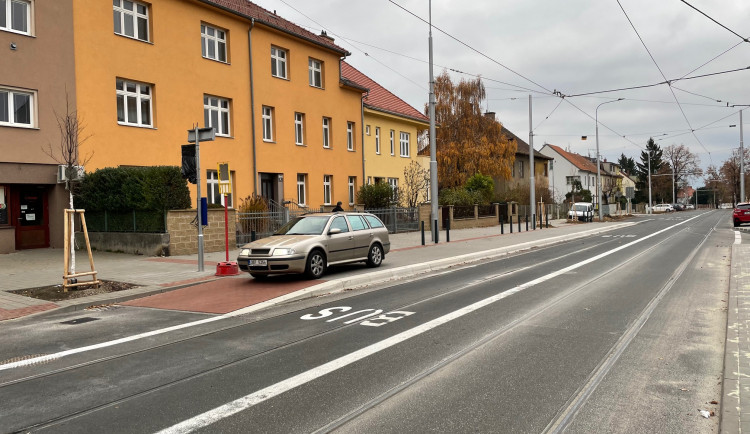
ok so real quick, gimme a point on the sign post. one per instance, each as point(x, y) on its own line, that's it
point(226, 268)
point(196, 136)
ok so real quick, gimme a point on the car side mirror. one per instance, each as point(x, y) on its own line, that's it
point(334, 231)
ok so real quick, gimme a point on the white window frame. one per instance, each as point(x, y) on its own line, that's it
point(350, 136)
point(405, 144)
point(352, 186)
point(279, 58)
point(140, 97)
point(299, 129)
point(377, 140)
point(393, 182)
point(393, 142)
point(212, 189)
point(221, 107)
point(326, 132)
point(10, 108)
point(327, 183)
point(267, 123)
point(315, 72)
point(214, 37)
point(135, 16)
point(9, 25)
point(301, 189)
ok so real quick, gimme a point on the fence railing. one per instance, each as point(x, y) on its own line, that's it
point(126, 221)
point(398, 219)
point(263, 224)
point(463, 212)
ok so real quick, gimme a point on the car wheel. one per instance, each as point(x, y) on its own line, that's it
point(736, 223)
point(316, 264)
point(375, 257)
point(257, 276)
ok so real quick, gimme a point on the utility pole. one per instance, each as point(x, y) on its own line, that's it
point(742, 164)
point(531, 167)
point(598, 164)
point(433, 151)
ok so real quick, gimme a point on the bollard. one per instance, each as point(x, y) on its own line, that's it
point(502, 224)
point(519, 224)
point(541, 220)
point(437, 232)
point(548, 222)
point(526, 217)
point(448, 232)
point(510, 218)
point(422, 232)
point(252, 236)
point(533, 221)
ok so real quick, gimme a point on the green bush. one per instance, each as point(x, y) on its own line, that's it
point(459, 196)
point(133, 188)
point(481, 185)
point(375, 196)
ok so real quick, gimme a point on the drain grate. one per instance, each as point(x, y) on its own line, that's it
point(80, 320)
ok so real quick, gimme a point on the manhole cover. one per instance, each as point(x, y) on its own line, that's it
point(80, 320)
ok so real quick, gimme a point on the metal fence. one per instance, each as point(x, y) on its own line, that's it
point(398, 219)
point(463, 212)
point(263, 224)
point(127, 221)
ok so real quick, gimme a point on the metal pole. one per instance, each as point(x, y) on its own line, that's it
point(674, 200)
point(200, 211)
point(433, 152)
point(649, 181)
point(598, 169)
point(742, 164)
point(531, 167)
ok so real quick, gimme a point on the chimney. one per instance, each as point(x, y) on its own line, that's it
point(490, 115)
point(324, 34)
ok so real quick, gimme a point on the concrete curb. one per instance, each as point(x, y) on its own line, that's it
point(332, 286)
point(729, 421)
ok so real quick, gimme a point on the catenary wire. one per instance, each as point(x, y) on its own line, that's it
point(744, 39)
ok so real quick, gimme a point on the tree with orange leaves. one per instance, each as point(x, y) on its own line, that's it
point(467, 142)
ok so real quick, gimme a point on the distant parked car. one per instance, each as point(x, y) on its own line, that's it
point(725, 205)
point(678, 207)
point(690, 206)
point(741, 214)
point(312, 242)
point(663, 207)
point(583, 211)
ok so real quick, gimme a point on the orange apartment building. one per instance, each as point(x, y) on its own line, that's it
point(140, 74)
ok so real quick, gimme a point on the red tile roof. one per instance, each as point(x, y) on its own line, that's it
point(249, 9)
point(379, 98)
point(522, 148)
point(578, 160)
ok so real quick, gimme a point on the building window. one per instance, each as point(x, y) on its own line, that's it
point(299, 129)
point(133, 103)
point(212, 184)
point(3, 206)
point(404, 144)
point(16, 108)
point(131, 19)
point(301, 183)
point(367, 130)
point(15, 16)
point(352, 189)
point(315, 68)
point(216, 114)
point(393, 142)
point(377, 140)
point(267, 124)
point(327, 182)
point(278, 62)
point(393, 182)
point(572, 179)
point(326, 132)
point(518, 169)
point(213, 43)
point(350, 136)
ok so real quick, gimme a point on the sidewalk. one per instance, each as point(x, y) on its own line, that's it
point(43, 267)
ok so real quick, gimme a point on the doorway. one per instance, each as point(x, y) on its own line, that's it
point(31, 217)
point(268, 186)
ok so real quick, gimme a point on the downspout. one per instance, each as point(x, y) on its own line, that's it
point(362, 110)
point(252, 104)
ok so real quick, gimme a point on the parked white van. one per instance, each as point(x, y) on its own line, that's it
point(583, 211)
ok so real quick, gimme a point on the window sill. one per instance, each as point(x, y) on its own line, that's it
point(280, 77)
point(145, 127)
point(351, 150)
point(133, 39)
point(317, 87)
point(225, 136)
point(301, 145)
point(268, 141)
point(16, 32)
point(25, 127)
point(217, 60)
point(405, 156)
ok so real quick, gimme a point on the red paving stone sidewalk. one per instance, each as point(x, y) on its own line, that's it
point(17, 313)
point(221, 296)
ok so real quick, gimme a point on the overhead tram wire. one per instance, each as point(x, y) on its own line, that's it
point(665, 78)
point(550, 114)
point(744, 39)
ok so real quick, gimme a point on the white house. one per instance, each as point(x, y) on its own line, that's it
point(567, 167)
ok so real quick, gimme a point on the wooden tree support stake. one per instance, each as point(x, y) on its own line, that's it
point(70, 279)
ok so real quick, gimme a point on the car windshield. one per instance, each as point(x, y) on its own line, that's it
point(311, 225)
point(581, 207)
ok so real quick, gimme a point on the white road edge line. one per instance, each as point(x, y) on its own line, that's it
point(209, 417)
point(333, 284)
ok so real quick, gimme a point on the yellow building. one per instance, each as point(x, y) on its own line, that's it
point(392, 129)
point(286, 123)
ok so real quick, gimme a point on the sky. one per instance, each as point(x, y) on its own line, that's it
point(545, 48)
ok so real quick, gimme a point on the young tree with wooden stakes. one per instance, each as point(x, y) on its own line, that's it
point(467, 141)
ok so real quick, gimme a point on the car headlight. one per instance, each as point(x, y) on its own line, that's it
point(283, 252)
point(245, 252)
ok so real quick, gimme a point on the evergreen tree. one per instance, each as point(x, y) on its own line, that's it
point(654, 151)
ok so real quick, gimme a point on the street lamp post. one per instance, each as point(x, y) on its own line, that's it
point(598, 168)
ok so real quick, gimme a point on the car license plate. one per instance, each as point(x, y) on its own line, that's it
point(257, 262)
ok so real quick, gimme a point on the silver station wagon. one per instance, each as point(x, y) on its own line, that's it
point(311, 243)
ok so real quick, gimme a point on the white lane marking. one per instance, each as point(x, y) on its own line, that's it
point(737, 237)
point(211, 416)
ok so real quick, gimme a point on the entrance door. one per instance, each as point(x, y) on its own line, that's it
point(32, 221)
point(268, 185)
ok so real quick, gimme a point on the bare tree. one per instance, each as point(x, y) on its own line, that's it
point(683, 162)
point(416, 181)
point(68, 154)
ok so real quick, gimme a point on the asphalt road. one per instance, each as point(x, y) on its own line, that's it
point(620, 332)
